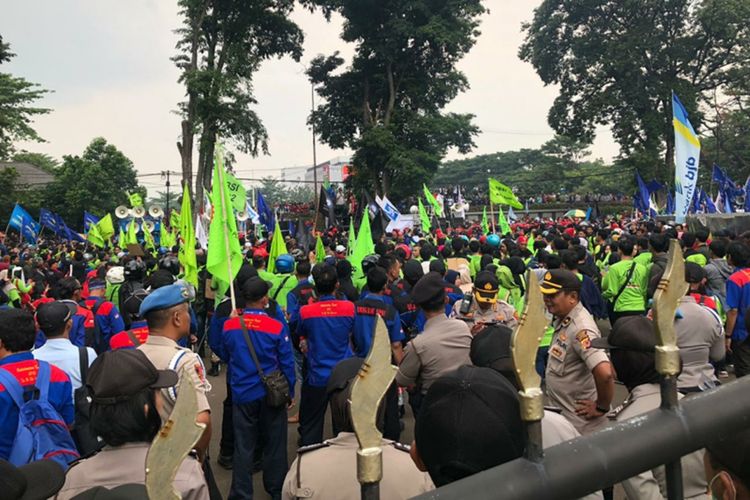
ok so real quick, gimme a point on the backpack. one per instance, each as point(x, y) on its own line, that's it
point(94, 336)
point(86, 440)
point(42, 433)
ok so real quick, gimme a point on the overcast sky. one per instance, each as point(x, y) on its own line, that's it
point(107, 62)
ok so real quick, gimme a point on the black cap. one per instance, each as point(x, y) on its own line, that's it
point(40, 479)
point(437, 266)
point(52, 316)
point(634, 333)
point(413, 271)
point(255, 289)
point(117, 375)
point(343, 373)
point(557, 280)
point(490, 348)
point(469, 421)
point(733, 454)
point(694, 273)
point(486, 287)
point(430, 287)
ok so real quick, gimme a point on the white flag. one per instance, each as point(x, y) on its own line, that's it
point(200, 233)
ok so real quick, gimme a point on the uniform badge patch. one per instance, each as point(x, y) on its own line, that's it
point(583, 338)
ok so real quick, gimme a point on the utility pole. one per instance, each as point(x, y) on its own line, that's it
point(315, 159)
point(165, 173)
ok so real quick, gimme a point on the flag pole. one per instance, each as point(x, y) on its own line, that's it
point(492, 215)
point(226, 235)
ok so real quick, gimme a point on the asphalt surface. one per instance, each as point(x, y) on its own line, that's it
point(224, 477)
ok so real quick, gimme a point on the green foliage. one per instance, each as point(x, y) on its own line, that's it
point(95, 181)
point(275, 191)
point(41, 160)
point(9, 194)
point(559, 165)
point(16, 110)
point(616, 63)
point(387, 104)
point(222, 44)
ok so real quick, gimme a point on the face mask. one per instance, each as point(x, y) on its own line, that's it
point(733, 490)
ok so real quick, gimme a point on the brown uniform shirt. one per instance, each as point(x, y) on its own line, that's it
point(442, 347)
point(571, 360)
point(118, 465)
point(165, 354)
point(500, 312)
point(310, 475)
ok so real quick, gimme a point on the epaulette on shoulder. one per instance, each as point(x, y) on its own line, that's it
point(312, 447)
point(401, 447)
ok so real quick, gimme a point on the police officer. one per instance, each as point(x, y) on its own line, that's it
point(283, 280)
point(310, 474)
point(632, 344)
point(253, 419)
point(167, 314)
point(107, 318)
point(442, 347)
point(325, 330)
point(485, 308)
point(579, 377)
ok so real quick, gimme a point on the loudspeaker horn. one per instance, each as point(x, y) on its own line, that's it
point(139, 212)
point(122, 212)
point(156, 212)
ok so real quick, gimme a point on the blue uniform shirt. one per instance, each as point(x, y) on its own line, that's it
point(24, 368)
point(107, 317)
point(327, 325)
point(270, 337)
point(366, 312)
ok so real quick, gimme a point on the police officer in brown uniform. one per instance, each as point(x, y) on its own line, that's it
point(579, 377)
point(442, 347)
point(485, 309)
point(167, 314)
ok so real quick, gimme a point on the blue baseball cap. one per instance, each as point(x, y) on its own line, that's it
point(164, 298)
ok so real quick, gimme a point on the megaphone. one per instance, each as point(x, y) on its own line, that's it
point(149, 226)
point(139, 212)
point(242, 216)
point(122, 212)
point(156, 211)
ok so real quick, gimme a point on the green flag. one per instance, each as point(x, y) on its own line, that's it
point(320, 250)
point(237, 193)
point(94, 236)
point(135, 200)
point(432, 201)
point(530, 242)
point(105, 227)
point(352, 238)
point(148, 239)
point(278, 247)
point(500, 194)
point(424, 218)
point(174, 219)
point(121, 238)
point(187, 240)
point(164, 236)
point(132, 238)
point(363, 246)
point(485, 224)
point(224, 254)
point(504, 226)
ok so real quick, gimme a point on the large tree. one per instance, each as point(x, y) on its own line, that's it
point(617, 62)
point(387, 104)
point(222, 43)
point(96, 182)
point(16, 110)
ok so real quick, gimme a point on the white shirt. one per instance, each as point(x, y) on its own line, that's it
point(62, 353)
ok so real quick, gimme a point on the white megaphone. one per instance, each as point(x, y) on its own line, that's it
point(149, 226)
point(139, 212)
point(156, 211)
point(122, 212)
point(242, 216)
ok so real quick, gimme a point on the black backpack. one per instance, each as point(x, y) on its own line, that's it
point(86, 440)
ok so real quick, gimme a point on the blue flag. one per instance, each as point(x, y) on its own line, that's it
point(49, 220)
point(747, 194)
point(265, 214)
point(707, 202)
point(670, 203)
point(89, 219)
point(643, 198)
point(588, 213)
point(687, 152)
point(22, 221)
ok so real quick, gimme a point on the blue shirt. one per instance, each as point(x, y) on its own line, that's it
point(302, 294)
point(107, 318)
point(366, 312)
point(327, 326)
point(270, 338)
point(24, 367)
point(64, 355)
point(738, 298)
